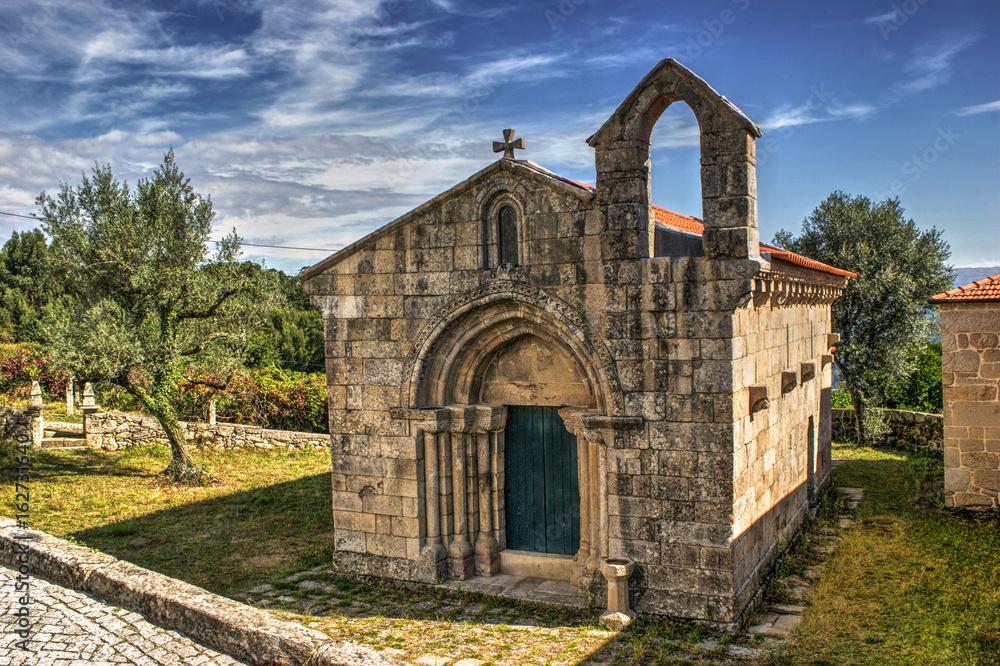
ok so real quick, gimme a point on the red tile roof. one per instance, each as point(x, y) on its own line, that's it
point(985, 290)
point(695, 226)
point(692, 225)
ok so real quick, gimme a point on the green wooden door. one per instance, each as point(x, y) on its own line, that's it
point(542, 489)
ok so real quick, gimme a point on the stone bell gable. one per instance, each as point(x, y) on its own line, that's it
point(519, 386)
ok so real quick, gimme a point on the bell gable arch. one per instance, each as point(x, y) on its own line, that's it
point(728, 171)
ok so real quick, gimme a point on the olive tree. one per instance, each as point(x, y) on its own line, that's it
point(882, 316)
point(157, 306)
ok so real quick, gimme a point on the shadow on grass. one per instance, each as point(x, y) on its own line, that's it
point(227, 543)
point(88, 462)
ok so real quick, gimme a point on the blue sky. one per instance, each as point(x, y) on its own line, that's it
point(312, 123)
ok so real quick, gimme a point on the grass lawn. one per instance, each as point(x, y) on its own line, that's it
point(272, 516)
point(908, 584)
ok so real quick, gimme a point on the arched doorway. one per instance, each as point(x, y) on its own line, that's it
point(499, 389)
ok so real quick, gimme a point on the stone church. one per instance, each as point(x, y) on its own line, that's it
point(531, 374)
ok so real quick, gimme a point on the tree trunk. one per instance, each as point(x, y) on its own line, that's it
point(858, 402)
point(182, 468)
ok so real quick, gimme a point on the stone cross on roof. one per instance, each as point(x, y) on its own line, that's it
point(508, 145)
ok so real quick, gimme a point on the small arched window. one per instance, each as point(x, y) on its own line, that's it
point(507, 235)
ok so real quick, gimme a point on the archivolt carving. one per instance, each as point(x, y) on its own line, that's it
point(479, 310)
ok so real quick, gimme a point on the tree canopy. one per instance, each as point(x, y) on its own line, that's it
point(882, 315)
point(156, 307)
point(28, 287)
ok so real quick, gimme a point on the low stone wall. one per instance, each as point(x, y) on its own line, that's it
point(112, 431)
point(14, 421)
point(249, 634)
point(908, 429)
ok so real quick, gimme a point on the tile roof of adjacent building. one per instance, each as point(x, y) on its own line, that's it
point(985, 290)
point(693, 225)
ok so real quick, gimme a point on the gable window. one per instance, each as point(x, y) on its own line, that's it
point(507, 235)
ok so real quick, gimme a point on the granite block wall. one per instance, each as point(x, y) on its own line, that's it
point(970, 345)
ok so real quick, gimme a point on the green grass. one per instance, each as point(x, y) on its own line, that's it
point(271, 516)
point(909, 583)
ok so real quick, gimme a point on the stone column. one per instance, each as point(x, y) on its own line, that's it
point(433, 553)
point(461, 564)
point(211, 413)
point(36, 426)
point(487, 547)
point(69, 396)
point(88, 408)
point(573, 420)
point(489, 421)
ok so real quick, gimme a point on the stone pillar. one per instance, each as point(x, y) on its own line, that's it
point(573, 420)
point(69, 396)
point(489, 422)
point(211, 412)
point(461, 564)
point(487, 548)
point(617, 571)
point(88, 408)
point(433, 554)
point(36, 426)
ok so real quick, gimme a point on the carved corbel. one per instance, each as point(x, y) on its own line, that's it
point(789, 380)
point(808, 371)
point(758, 399)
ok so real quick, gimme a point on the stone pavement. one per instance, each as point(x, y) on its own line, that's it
point(70, 628)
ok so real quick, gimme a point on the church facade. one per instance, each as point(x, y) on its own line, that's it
point(530, 374)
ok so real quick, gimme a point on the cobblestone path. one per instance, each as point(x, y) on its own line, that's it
point(70, 628)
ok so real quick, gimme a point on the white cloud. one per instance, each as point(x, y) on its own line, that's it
point(930, 66)
point(978, 108)
point(882, 18)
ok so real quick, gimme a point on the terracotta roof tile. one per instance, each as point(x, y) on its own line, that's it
point(987, 289)
point(695, 226)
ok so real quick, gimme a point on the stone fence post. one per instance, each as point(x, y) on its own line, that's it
point(36, 426)
point(88, 408)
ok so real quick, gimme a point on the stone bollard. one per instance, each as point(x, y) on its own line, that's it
point(36, 426)
point(617, 571)
point(88, 407)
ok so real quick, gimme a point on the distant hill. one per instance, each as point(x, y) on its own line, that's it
point(966, 274)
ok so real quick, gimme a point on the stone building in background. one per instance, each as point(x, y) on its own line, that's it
point(528, 374)
point(970, 359)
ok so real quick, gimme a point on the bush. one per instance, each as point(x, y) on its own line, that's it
point(920, 391)
point(268, 397)
point(23, 363)
point(841, 399)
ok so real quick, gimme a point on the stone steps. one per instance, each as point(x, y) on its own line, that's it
point(64, 441)
point(778, 620)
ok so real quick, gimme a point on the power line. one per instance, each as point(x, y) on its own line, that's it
point(27, 217)
point(276, 247)
point(286, 247)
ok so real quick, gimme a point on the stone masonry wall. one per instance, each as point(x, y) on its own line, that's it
point(112, 431)
point(377, 302)
point(917, 430)
point(415, 313)
point(14, 422)
point(778, 453)
point(970, 344)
